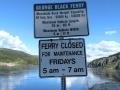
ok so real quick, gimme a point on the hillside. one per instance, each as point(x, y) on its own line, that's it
point(13, 56)
point(113, 61)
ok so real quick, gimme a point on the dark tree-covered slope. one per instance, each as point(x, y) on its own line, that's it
point(113, 61)
point(14, 56)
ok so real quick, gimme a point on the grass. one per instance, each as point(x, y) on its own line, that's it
point(110, 65)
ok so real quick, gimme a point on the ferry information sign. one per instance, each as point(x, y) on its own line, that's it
point(60, 19)
point(59, 58)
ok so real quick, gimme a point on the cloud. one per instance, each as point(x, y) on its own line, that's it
point(82, 82)
point(69, 81)
point(11, 42)
point(102, 49)
point(110, 32)
point(12, 81)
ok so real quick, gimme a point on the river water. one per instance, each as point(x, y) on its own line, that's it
point(27, 78)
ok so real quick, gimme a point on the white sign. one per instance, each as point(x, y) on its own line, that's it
point(60, 19)
point(59, 58)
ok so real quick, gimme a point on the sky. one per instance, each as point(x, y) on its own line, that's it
point(17, 26)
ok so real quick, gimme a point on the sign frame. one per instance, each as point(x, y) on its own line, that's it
point(58, 10)
point(63, 75)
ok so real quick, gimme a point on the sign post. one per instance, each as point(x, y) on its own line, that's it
point(63, 83)
point(63, 79)
point(61, 57)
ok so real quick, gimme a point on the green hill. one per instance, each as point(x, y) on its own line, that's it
point(113, 61)
point(19, 57)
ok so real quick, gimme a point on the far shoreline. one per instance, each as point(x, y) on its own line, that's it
point(13, 64)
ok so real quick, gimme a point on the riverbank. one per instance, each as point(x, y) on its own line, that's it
point(13, 64)
point(106, 86)
point(8, 64)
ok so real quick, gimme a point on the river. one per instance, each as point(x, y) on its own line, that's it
point(27, 78)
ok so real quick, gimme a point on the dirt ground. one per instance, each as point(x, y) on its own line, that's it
point(106, 86)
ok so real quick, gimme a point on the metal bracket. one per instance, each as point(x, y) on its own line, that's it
point(70, 39)
point(61, 38)
point(51, 40)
